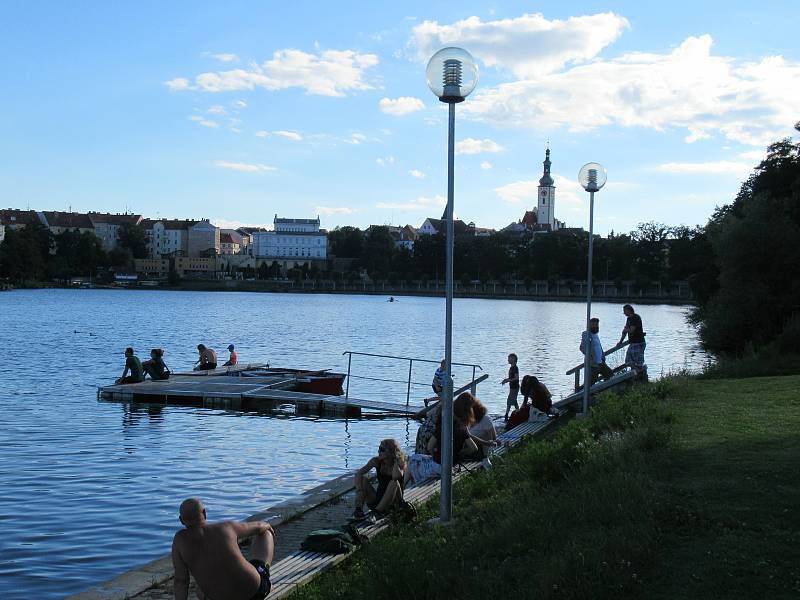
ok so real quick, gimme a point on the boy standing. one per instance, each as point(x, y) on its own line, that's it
point(513, 384)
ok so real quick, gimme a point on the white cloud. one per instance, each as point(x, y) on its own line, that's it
point(289, 135)
point(217, 110)
point(330, 73)
point(204, 122)
point(687, 88)
point(262, 134)
point(226, 57)
point(243, 167)
point(417, 174)
point(526, 191)
point(335, 210)
point(389, 160)
point(756, 156)
point(229, 224)
point(518, 192)
point(485, 165)
point(718, 167)
point(473, 146)
point(421, 203)
point(178, 84)
point(356, 138)
point(528, 45)
point(400, 106)
point(239, 104)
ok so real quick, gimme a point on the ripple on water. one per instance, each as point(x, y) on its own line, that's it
point(90, 489)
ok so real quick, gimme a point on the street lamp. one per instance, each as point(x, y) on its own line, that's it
point(592, 178)
point(451, 75)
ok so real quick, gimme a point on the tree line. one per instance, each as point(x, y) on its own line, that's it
point(34, 253)
point(654, 252)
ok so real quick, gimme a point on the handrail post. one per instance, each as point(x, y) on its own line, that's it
point(474, 389)
point(347, 387)
point(408, 387)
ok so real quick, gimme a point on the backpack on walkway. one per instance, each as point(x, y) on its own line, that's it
point(333, 541)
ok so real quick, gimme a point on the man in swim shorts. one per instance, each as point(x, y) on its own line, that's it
point(210, 552)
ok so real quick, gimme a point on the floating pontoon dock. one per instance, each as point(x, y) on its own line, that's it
point(269, 392)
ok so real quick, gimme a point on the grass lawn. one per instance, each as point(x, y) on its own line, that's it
point(681, 489)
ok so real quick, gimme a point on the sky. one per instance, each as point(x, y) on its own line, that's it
point(240, 111)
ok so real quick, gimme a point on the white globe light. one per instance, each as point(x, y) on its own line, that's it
point(452, 74)
point(592, 177)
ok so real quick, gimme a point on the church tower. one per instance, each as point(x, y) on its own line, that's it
point(547, 196)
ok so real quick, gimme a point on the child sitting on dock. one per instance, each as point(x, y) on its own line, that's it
point(233, 359)
point(132, 364)
point(156, 367)
point(390, 465)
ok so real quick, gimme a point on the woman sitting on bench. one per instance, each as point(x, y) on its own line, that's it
point(390, 464)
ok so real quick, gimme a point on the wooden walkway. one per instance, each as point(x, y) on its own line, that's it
point(301, 566)
point(249, 394)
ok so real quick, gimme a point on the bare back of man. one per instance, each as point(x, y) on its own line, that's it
point(210, 552)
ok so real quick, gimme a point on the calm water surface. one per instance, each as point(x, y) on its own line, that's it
point(90, 489)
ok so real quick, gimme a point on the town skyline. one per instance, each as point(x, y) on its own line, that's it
point(237, 114)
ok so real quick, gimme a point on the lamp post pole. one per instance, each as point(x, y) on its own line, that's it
point(586, 361)
point(592, 177)
point(451, 75)
point(446, 495)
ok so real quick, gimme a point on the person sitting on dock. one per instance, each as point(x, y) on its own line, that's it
point(132, 365)
point(207, 360)
point(422, 467)
point(468, 409)
point(210, 552)
point(597, 360)
point(390, 465)
point(156, 367)
point(231, 362)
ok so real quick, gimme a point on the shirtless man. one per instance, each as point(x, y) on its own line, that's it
point(210, 552)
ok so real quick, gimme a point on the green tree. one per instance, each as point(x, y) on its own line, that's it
point(25, 252)
point(133, 237)
point(756, 245)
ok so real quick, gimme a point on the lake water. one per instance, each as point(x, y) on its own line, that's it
point(90, 489)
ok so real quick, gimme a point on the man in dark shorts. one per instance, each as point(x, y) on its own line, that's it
point(210, 552)
point(207, 360)
point(634, 357)
point(132, 365)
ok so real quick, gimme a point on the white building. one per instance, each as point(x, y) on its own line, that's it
point(167, 237)
point(106, 226)
point(203, 239)
point(292, 241)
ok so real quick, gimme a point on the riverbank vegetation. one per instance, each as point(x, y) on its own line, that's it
point(681, 489)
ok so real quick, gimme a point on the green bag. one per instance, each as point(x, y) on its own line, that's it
point(334, 541)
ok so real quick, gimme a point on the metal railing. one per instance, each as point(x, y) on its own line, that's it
point(408, 382)
point(578, 369)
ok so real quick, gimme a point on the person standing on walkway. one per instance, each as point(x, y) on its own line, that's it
point(513, 384)
point(210, 552)
point(597, 360)
point(232, 360)
point(132, 365)
point(634, 357)
point(207, 360)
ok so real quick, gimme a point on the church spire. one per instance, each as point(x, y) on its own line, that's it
point(546, 179)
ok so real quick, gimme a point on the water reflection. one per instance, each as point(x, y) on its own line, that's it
point(100, 462)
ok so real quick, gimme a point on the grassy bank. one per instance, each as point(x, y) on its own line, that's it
point(681, 489)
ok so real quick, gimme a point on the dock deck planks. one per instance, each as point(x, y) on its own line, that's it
point(249, 393)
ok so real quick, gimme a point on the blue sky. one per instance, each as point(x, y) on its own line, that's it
point(242, 110)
